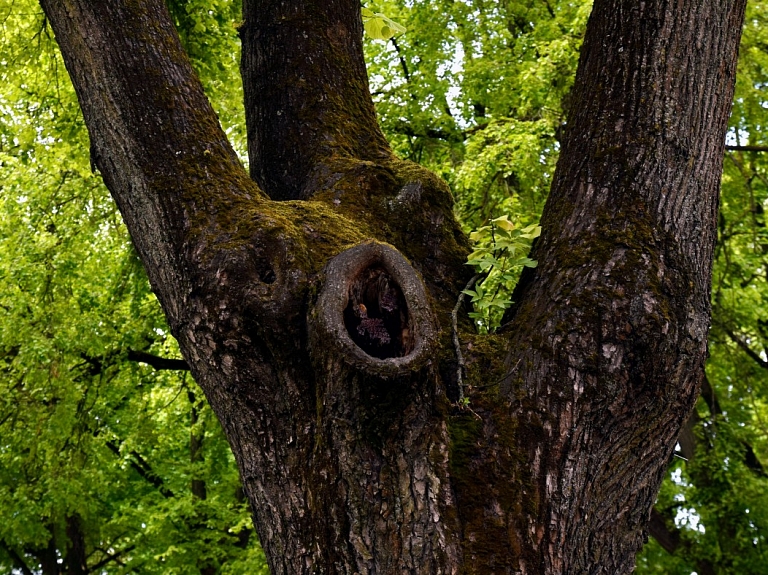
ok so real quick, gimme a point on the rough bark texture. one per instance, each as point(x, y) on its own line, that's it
point(618, 309)
point(319, 328)
point(306, 92)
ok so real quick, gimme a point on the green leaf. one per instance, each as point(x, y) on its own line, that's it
point(379, 26)
point(504, 223)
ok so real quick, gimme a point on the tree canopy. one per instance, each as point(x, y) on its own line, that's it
point(110, 458)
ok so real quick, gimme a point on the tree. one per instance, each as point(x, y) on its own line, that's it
point(327, 355)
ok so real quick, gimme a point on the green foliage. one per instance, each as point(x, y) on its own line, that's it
point(94, 447)
point(499, 255)
point(477, 91)
point(378, 26)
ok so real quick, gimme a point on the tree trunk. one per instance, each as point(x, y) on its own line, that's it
point(319, 328)
point(610, 333)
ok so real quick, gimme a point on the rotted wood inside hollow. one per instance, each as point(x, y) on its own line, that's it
point(376, 316)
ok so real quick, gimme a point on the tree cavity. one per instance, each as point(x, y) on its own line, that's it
point(376, 316)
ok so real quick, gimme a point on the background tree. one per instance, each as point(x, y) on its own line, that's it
point(106, 464)
point(538, 50)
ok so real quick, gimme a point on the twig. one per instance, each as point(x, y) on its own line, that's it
point(455, 336)
point(472, 411)
point(745, 347)
point(16, 558)
point(403, 63)
point(111, 557)
point(747, 148)
point(741, 168)
point(498, 381)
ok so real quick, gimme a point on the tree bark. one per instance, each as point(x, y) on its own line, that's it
point(320, 329)
point(76, 559)
point(618, 309)
point(306, 93)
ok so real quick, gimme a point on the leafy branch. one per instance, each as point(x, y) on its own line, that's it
point(499, 256)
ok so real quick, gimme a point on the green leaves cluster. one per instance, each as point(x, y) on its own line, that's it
point(378, 26)
point(500, 253)
point(478, 91)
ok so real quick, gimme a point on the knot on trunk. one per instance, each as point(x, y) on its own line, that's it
point(373, 312)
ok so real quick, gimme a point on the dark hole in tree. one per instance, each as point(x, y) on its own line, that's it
point(376, 316)
point(268, 276)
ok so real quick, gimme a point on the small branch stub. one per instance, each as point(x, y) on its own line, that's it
point(373, 310)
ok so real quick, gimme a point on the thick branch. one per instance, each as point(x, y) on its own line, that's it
point(18, 562)
point(610, 330)
point(157, 362)
point(747, 148)
point(154, 135)
point(403, 63)
point(109, 557)
point(140, 465)
point(746, 349)
point(306, 91)
point(708, 394)
point(667, 538)
point(76, 560)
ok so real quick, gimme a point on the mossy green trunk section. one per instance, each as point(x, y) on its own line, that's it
point(336, 406)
